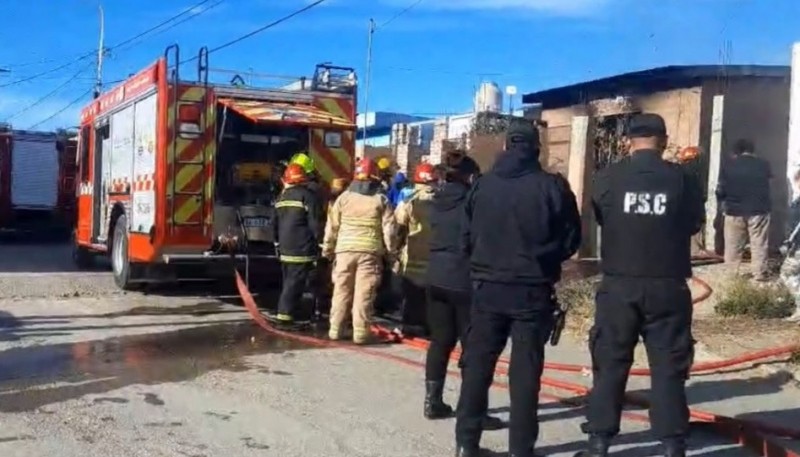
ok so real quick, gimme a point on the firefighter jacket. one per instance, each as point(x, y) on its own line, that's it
point(298, 224)
point(360, 220)
point(414, 230)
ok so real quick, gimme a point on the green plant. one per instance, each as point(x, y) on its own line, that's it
point(740, 297)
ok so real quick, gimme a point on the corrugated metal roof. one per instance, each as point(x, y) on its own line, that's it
point(647, 81)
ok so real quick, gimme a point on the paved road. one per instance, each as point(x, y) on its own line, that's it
point(87, 371)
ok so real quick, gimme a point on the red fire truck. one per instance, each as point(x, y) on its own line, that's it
point(176, 172)
point(37, 187)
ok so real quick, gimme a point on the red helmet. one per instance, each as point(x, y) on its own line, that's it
point(365, 170)
point(294, 174)
point(424, 173)
point(688, 154)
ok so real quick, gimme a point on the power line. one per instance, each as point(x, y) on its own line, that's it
point(261, 29)
point(92, 53)
point(51, 93)
point(215, 49)
point(195, 11)
point(191, 9)
point(48, 72)
point(68, 106)
point(400, 13)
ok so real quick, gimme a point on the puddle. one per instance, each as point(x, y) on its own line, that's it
point(252, 444)
point(199, 309)
point(97, 367)
point(11, 439)
point(110, 400)
point(153, 399)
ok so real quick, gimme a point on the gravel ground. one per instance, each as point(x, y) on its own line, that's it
point(86, 371)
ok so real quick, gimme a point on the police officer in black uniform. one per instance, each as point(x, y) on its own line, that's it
point(648, 209)
point(521, 224)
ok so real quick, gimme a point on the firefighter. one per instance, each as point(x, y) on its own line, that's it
point(360, 232)
point(322, 284)
point(384, 165)
point(413, 229)
point(521, 224)
point(298, 233)
point(648, 209)
point(310, 168)
point(338, 186)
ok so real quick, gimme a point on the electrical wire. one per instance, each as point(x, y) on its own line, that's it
point(191, 9)
point(260, 29)
point(93, 52)
point(51, 93)
point(400, 13)
point(215, 49)
point(195, 11)
point(68, 106)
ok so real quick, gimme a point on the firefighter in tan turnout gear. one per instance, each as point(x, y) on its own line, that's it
point(360, 231)
point(413, 221)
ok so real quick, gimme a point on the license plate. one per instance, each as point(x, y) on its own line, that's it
point(256, 222)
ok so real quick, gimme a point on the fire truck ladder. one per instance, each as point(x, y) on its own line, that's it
point(198, 162)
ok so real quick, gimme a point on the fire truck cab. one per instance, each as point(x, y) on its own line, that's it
point(174, 172)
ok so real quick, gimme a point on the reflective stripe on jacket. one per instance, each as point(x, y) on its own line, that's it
point(413, 220)
point(359, 223)
point(298, 224)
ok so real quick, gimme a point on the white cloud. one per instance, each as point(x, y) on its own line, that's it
point(557, 7)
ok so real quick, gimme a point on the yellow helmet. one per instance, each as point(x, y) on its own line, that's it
point(383, 163)
point(338, 185)
point(305, 161)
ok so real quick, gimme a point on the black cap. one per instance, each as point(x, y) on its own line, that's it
point(646, 125)
point(522, 132)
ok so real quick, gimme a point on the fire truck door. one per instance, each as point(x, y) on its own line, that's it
point(102, 183)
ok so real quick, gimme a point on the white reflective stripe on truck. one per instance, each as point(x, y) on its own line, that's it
point(34, 172)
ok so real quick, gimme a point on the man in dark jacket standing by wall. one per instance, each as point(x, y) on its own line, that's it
point(522, 223)
point(743, 190)
point(648, 209)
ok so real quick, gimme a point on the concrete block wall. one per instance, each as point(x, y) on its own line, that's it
point(437, 149)
point(405, 147)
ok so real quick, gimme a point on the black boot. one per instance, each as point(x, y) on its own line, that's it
point(468, 451)
point(674, 448)
point(493, 423)
point(435, 407)
point(596, 447)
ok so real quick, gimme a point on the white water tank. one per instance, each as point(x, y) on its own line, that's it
point(489, 97)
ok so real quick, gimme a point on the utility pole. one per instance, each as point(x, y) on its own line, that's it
point(98, 87)
point(368, 78)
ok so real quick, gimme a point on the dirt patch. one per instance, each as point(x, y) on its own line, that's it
point(729, 337)
point(721, 336)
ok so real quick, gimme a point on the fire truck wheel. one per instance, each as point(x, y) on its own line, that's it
point(120, 262)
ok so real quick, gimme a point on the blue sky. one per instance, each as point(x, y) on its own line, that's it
point(428, 60)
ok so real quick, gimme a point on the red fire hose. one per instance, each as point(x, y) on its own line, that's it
point(697, 368)
point(747, 433)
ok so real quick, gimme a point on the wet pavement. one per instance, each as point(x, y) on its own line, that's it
point(187, 374)
point(95, 367)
